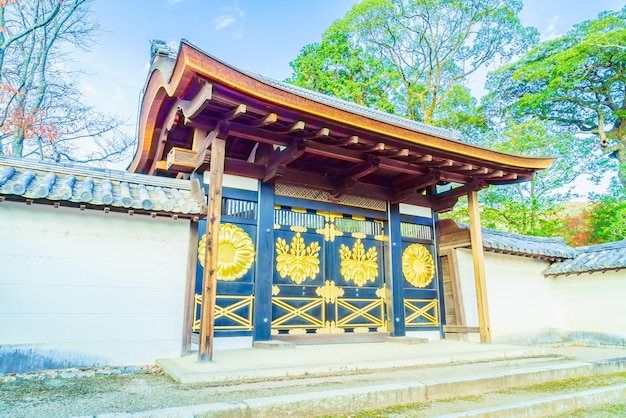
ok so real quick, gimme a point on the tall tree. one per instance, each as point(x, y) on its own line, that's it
point(42, 110)
point(420, 52)
point(532, 207)
point(577, 81)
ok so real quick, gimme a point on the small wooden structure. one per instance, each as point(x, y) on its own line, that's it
point(309, 161)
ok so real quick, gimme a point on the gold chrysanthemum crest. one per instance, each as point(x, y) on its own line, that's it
point(357, 265)
point(418, 266)
point(235, 252)
point(296, 260)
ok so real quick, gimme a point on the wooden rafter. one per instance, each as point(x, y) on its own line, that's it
point(268, 119)
point(240, 110)
point(350, 176)
point(432, 178)
point(277, 164)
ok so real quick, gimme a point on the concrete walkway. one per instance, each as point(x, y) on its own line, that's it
point(286, 360)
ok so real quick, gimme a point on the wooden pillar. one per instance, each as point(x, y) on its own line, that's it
point(190, 288)
point(264, 265)
point(396, 307)
point(478, 257)
point(209, 278)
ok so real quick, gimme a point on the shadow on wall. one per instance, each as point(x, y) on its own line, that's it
point(560, 337)
point(24, 359)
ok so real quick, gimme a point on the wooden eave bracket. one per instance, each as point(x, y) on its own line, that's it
point(445, 201)
point(195, 106)
point(220, 132)
point(432, 178)
point(277, 164)
point(268, 119)
point(240, 110)
point(350, 176)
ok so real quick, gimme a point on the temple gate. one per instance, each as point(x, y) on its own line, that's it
point(329, 273)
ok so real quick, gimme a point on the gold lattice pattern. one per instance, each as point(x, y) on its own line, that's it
point(322, 196)
point(370, 315)
point(235, 252)
point(297, 261)
point(357, 265)
point(421, 312)
point(232, 305)
point(418, 266)
point(298, 308)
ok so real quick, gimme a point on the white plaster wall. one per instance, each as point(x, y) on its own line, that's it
point(99, 288)
point(520, 299)
point(523, 302)
point(235, 182)
point(593, 302)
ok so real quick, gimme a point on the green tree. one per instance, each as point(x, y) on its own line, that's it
point(577, 81)
point(532, 207)
point(338, 68)
point(417, 53)
point(42, 110)
point(608, 216)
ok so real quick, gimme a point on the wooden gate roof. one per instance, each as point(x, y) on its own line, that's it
point(279, 133)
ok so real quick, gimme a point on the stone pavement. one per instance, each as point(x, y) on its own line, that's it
point(285, 360)
point(313, 380)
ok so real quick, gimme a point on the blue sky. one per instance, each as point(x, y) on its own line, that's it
point(262, 36)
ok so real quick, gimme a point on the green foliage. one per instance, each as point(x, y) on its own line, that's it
point(577, 81)
point(412, 57)
point(337, 68)
point(608, 218)
point(532, 207)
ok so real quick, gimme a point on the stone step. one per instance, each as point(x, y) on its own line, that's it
point(386, 395)
point(550, 405)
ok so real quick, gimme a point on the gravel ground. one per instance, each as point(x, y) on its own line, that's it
point(89, 392)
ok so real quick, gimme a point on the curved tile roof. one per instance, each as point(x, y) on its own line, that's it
point(601, 257)
point(166, 84)
point(94, 187)
point(527, 245)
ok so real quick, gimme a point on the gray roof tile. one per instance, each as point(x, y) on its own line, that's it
point(540, 247)
point(601, 257)
point(95, 187)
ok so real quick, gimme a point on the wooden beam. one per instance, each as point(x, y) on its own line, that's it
point(181, 160)
point(220, 132)
point(400, 153)
point(198, 138)
point(322, 133)
point(457, 329)
point(265, 120)
point(190, 284)
point(350, 176)
point(279, 160)
point(195, 106)
point(297, 126)
point(478, 258)
point(431, 178)
point(240, 110)
point(457, 192)
point(209, 277)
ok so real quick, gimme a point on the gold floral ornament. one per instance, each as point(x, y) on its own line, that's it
point(418, 266)
point(235, 253)
point(296, 260)
point(357, 265)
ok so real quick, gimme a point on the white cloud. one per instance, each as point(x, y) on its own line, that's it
point(174, 1)
point(223, 21)
point(229, 16)
point(552, 30)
